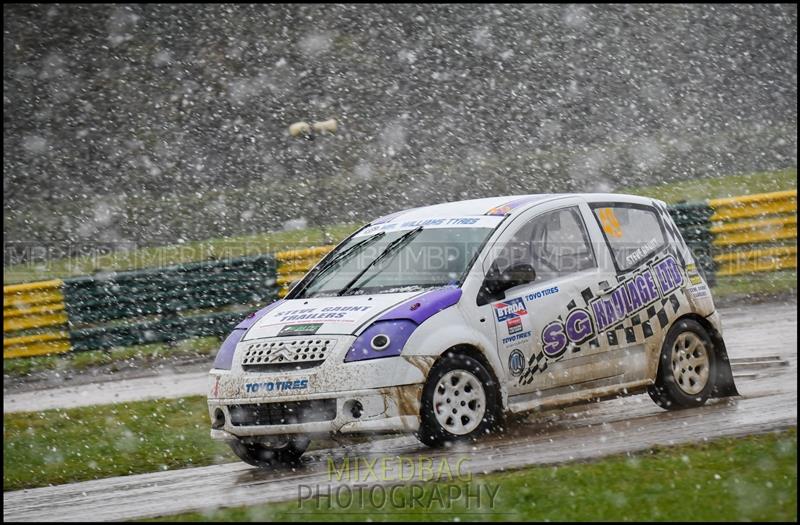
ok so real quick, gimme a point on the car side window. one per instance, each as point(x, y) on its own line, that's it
point(633, 232)
point(555, 244)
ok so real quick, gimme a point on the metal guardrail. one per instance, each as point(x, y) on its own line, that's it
point(692, 220)
point(755, 233)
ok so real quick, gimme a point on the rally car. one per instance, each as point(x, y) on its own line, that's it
point(441, 320)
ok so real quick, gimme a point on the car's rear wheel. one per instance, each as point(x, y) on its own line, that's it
point(264, 456)
point(460, 401)
point(686, 368)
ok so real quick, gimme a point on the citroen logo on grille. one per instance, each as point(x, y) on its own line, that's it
point(284, 354)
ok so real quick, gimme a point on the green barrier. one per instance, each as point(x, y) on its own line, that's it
point(169, 290)
point(137, 307)
point(693, 220)
point(160, 331)
point(147, 306)
point(132, 303)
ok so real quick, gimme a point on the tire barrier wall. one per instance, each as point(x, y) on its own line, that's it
point(131, 308)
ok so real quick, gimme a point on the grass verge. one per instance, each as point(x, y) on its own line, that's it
point(718, 187)
point(767, 284)
point(159, 256)
point(746, 479)
point(64, 446)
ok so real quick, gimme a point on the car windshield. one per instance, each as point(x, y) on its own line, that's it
point(397, 261)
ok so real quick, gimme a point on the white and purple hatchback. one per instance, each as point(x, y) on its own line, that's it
point(440, 320)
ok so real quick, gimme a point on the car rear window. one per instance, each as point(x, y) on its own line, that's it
point(634, 232)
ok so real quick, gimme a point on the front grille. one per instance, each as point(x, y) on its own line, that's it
point(281, 355)
point(287, 413)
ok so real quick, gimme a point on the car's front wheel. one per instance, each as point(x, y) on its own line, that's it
point(460, 401)
point(264, 456)
point(686, 368)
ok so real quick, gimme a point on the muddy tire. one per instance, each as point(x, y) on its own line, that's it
point(262, 456)
point(686, 368)
point(460, 402)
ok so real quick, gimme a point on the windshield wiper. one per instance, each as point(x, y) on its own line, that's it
point(339, 258)
point(391, 247)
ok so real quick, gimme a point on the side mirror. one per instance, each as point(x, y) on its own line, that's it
point(497, 283)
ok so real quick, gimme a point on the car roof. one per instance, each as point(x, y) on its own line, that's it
point(500, 206)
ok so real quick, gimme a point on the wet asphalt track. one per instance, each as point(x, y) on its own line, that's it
point(170, 386)
point(762, 343)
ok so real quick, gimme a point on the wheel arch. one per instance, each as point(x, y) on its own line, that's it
point(437, 336)
point(724, 385)
point(476, 353)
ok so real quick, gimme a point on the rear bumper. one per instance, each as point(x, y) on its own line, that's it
point(390, 409)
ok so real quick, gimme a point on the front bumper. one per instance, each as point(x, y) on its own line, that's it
point(386, 390)
point(389, 409)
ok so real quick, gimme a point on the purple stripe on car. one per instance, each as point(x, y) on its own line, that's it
point(400, 322)
point(225, 355)
point(421, 307)
point(251, 319)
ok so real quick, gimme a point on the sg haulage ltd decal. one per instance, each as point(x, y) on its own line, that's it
point(637, 293)
point(640, 299)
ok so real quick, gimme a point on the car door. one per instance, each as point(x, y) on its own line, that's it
point(543, 337)
point(635, 311)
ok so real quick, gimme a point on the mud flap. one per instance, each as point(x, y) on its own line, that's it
point(723, 380)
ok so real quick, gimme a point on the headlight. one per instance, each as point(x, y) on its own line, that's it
point(380, 342)
point(382, 339)
point(387, 336)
